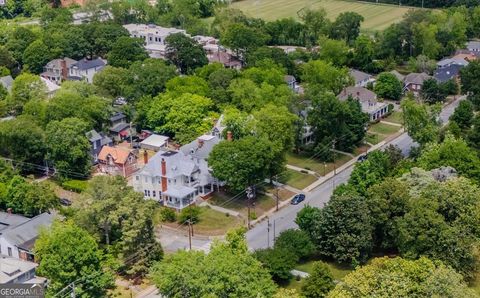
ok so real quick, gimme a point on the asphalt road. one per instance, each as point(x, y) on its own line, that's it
point(262, 235)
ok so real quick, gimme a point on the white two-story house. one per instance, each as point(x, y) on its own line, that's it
point(177, 178)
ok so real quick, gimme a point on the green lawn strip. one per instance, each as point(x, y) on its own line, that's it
point(375, 138)
point(338, 271)
point(377, 17)
point(299, 180)
point(213, 222)
point(382, 128)
point(306, 162)
point(225, 200)
point(395, 117)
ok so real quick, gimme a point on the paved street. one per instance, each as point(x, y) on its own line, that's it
point(260, 235)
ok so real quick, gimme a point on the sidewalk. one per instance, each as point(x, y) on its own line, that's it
point(298, 169)
point(219, 209)
point(391, 123)
point(339, 170)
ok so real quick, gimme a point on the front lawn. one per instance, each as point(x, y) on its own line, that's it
point(260, 205)
point(212, 222)
point(384, 129)
point(297, 179)
point(305, 161)
point(395, 117)
point(338, 271)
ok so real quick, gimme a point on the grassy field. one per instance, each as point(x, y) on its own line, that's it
point(299, 180)
point(212, 222)
point(395, 117)
point(377, 16)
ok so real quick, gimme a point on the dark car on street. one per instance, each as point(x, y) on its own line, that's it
point(297, 199)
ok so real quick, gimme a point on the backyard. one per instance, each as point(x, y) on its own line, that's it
point(377, 16)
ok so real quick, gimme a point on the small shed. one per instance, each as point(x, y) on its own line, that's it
point(154, 142)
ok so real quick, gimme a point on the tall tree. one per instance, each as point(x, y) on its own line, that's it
point(319, 283)
point(25, 87)
point(316, 23)
point(147, 77)
point(463, 115)
point(421, 121)
point(35, 57)
point(125, 51)
point(228, 270)
point(107, 214)
point(185, 53)
point(63, 265)
point(242, 39)
point(388, 86)
point(347, 26)
point(403, 278)
point(470, 83)
point(432, 91)
point(68, 147)
point(322, 76)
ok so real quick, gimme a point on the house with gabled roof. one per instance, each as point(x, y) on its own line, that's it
point(177, 178)
point(85, 69)
point(413, 82)
point(97, 141)
point(117, 161)
point(19, 233)
point(360, 78)
point(368, 101)
point(57, 70)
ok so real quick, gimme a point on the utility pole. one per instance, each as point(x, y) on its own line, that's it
point(73, 290)
point(131, 135)
point(189, 234)
point(334, 166)
point(276, 195)
point(250, 196)
point(268, 232)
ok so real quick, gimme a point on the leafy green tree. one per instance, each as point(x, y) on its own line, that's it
point(278, 261)
point(111, 81)
point(68, 147)
point(19, 40)
point(22, 130)
point(451, 152)
point(306, 219)
point(322, 76)
point(343, 229)
point(107, 214)
point(463, 115)
point(370, 172)
point(422, 63)
point(148, 77)
point(190, 213)
point(188, 84)
point(333, 51)
point(388, 86)
point(296, 241)
point(287, 293)
point(242, 39)
point(6, 59)
point(473, 136)
point(469, 82)
point(101, 37)
point(347, 26)
point(432, 92)
point(229, 270)
point(403, 278)
point(185, 53)
point(125, 51)
point(242, 163)
point(36, 55)
point(63, 265)
point(25, 87)
point(424, 39)
point(186, 116)
point(364, 54)
point(335, 121)
point(421, 121)
point(316, 23)
point(319, 283)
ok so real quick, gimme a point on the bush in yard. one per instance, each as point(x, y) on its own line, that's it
point(320, 281)
point(168, 215)
point(296, 241)
point(278, 261)
point(191, 213)
point(75, 185)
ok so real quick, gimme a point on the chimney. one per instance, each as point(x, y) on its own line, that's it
point(200, 143)
point(164, 167)
point(9, 210)
point(229, 136)
point(358, 93)
point(145, 157)
point(64, 70)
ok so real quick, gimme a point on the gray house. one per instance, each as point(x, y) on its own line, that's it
point(7, 82)
point(360, 78)
point(85, 69)
point(368, 101)
point(119, 128)
point(97, 141)
point(447, 73)
point(473, 46)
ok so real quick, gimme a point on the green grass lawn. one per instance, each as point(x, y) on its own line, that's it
point(395, 117)
point(262, 203)
point(377, 17)
point(298, 180)
point(338, 271)
point(213, 222)
point(306, 162)
point(384, 129)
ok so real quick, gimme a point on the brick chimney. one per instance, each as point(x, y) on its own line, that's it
point(229, 136)
point(164, 167)
point(64, 70)
point(200, 143)
point(145, 156)
point(9, 210)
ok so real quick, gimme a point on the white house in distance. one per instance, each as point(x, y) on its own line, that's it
point(368, 101)
point(85, 69)
point(154, 37)
point(18, 234)
point(177, 178)
point(360, 78)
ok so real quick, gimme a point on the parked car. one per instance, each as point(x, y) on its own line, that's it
point(362, 158)
point(65, 202)
point(297, 199)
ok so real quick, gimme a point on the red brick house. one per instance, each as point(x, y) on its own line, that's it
point(117, 161)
